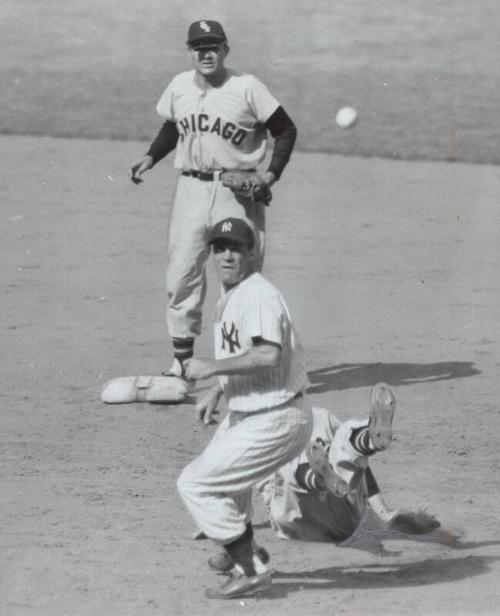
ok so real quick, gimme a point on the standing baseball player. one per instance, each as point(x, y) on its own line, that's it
point(217, 120)
point(260, 368)
point(301, 503)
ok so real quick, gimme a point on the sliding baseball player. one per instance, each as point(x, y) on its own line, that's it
point(302, 496)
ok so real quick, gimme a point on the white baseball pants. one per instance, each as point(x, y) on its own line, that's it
point(198, 205)
point(247, 447)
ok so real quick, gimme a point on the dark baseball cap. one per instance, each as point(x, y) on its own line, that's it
point(206, 31)
point(233, 229)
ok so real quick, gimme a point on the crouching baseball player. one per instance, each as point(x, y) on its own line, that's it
point(261, 371)
point(301, 503)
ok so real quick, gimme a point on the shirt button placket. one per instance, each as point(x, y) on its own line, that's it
point(199, 132)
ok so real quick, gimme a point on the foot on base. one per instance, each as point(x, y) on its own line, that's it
point(176, 369)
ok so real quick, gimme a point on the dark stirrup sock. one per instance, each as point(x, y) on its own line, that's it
point(183, 348)
point(241, 551)
point(360, 440)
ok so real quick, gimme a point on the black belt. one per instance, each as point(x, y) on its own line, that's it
point(204, 176)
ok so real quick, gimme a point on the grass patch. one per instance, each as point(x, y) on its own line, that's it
point(422, 74)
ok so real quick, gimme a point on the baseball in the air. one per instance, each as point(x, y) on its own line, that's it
point(346, 117)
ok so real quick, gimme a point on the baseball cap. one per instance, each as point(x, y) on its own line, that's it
point(234, 229)
point(206, 31)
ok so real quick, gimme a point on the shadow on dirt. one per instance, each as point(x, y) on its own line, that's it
point(425, 572)
point(375, 541)
point(349, 376)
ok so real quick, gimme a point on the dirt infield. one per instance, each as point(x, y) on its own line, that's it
point(392, 272)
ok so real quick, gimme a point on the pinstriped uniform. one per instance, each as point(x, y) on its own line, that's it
point(268, 423)
point(255, 308)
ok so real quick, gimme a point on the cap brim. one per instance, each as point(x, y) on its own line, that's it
point(210, 38)
point(227, 237)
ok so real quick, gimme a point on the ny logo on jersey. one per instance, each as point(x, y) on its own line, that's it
point(227, 226)
point(205, 26)
point(231, 337)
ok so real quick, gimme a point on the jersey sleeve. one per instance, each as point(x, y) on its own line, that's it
point(261, 101)
point(263, 319)
point(165, 106)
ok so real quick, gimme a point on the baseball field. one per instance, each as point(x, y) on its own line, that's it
point(389, 259)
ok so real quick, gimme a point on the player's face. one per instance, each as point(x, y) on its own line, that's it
point(233, 261)
point(208, 58)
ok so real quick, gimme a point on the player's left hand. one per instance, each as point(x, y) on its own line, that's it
point(206, 406)
point(198, 369)
point(249, 185)
point(269, 178)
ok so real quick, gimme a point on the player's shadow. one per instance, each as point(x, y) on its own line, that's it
point(373, 536)
point(349, 376)
point(394, 575)
point(377, 541)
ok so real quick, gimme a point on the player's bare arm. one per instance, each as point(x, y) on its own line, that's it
point(263, 355)
point(403, 520)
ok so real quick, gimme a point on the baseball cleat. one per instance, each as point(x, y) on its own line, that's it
point(317, 456)
point(176, 369)
point(241, 585)
point(382, 406)
point(223, 563)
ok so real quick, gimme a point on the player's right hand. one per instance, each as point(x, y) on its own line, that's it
point(198, 369)
point(139, 168)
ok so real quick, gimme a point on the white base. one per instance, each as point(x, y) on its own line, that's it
point(126, 389)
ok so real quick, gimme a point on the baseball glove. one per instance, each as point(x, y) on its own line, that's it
point(414, 523)
point(247, 185)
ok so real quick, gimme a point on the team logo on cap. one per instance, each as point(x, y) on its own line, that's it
point(227, 226)
point(204, 26)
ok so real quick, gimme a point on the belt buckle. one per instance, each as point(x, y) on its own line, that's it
point(204, 176)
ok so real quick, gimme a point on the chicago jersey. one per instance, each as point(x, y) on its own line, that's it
point(220, 127)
